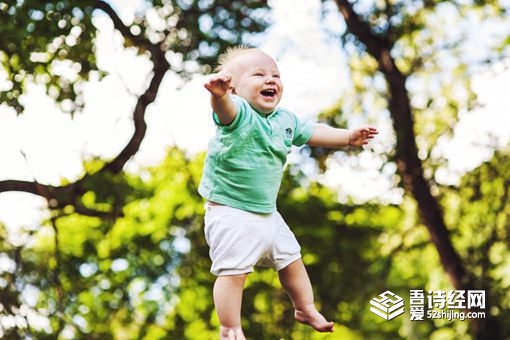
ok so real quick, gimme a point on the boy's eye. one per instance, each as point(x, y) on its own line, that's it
point(276, 75)
point(258, 74)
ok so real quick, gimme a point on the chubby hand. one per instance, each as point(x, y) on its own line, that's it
point(219, 84)
point(360, 136)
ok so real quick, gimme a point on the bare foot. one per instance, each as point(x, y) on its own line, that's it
point(231, 334)
point(311, 317)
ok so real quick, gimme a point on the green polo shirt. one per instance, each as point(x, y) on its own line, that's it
point(244, 164)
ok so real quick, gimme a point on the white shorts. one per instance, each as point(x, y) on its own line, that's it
point(238, 240)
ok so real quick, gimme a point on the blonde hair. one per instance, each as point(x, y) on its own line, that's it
point(230, 54)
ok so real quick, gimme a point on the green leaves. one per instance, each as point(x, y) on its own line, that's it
point(146, 274)
point(35, 37)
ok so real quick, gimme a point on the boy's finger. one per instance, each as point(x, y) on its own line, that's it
point(225, 78)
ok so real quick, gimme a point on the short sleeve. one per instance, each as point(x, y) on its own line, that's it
point(303, 132)
point(240, 105)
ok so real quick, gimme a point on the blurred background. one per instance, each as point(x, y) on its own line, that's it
point(104, 123)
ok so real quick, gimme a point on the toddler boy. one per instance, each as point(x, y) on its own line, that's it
point(241, 179)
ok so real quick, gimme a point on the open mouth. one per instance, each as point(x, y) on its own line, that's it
point(268, 93)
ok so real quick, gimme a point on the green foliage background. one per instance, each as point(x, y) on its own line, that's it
point(146, 275)
point(139, 269)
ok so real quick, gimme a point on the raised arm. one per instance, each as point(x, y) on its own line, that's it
point(219, 87)
point(329, 137)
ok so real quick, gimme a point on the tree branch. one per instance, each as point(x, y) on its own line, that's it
point(60, 196)
point(160, 67)
point(16, 185)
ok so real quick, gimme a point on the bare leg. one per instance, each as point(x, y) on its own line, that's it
point(296, 282)
point(228, 295)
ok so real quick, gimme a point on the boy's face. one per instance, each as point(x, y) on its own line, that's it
point(256, 78)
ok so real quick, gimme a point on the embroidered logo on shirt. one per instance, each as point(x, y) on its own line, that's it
point(288, 132)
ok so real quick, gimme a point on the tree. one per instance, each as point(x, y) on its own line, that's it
point(394, 42)
point(40, 35)
point(37, 37)
point(94, 278)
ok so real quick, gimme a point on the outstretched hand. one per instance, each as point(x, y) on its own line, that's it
point(360, 136)
point(219, 84)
